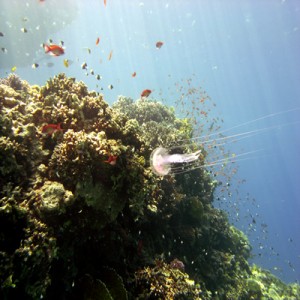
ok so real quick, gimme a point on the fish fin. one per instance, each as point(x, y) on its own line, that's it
point(46, 48)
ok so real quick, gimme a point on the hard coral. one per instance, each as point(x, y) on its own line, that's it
point(163, 281)
point(12, 167)
point(14, 82)
point(66, 101)
point(157, 122)
point(27, 251)
point(80, 156)
point(266, 285)
point(54, 198)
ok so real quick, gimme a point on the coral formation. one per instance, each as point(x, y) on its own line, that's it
point(77, 225)
point(264, 285)
point(163, 281)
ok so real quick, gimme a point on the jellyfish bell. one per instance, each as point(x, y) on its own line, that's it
point(163, 163)
point(158, 161)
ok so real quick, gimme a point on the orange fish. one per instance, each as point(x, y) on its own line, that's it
point(112, 160)
point(104, 2)
point(133, 74)
point(54, 50)
point(97, 41)
point(145, 93)
point(51, 128)
point(159, 44)
point(110, 55)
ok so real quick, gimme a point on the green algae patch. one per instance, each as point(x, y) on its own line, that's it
point(82, 213)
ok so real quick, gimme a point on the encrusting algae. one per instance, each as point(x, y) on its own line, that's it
point(82, 216)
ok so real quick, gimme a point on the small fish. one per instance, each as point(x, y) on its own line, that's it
point(14, 69)
point(145, 93)
point(24, 30)
point(4, 50)
point(110, 86)
point(98, 77)
point(97, 40)
point(92, 72)
point(87, 49)
point(159, 44)
point(66, 63)
point(83, 66)
point(50, 64)
point(133, 74)
point(110, 55)
point(34, 66)
point(112, 160)
point(51, 128)
point(54, 50)
point(1, 34)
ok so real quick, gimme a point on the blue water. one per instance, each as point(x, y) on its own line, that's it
point(245, 54)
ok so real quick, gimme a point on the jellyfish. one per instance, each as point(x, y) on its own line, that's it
point(180, 159)
point(161, 161)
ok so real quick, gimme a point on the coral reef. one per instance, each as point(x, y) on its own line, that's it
point(163, 281)
point(15, 82)
point(83, 217)
point(264, 285)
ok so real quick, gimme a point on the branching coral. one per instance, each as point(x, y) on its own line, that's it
point(14, 82)
point(163, 281)
point(66, 101)
point(12, 156)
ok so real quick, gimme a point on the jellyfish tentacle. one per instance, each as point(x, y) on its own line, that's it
point(183, 158)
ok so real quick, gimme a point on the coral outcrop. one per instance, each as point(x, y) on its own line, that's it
point(83, 217)
point(163, 281)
